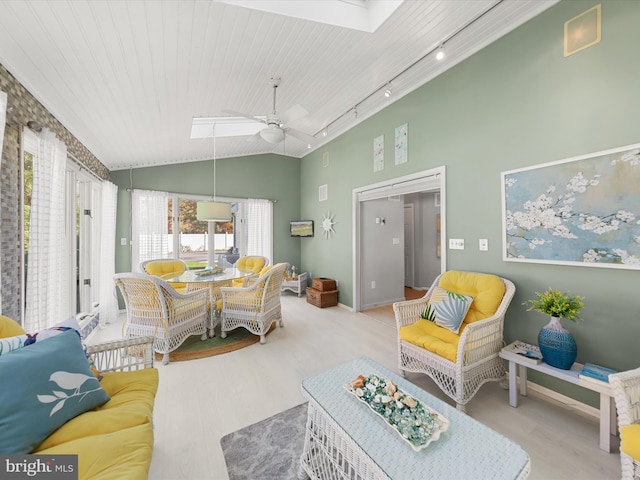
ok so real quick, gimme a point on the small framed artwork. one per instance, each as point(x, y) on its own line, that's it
point(401, 144)
point(323, 193)
point(378, 153)
point(583, 30)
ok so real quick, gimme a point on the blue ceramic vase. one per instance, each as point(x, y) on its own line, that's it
point(557, 345)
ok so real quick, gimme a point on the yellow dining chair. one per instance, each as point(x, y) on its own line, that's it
point(250, 263)
point(154, 308)
point(165, 268)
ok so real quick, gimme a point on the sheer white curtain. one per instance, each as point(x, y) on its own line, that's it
point(3, 116)
point(149, 226)
point(107, 251)
point(48, 259)
point(259, 226)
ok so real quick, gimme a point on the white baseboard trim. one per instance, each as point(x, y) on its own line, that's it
point(568, 402)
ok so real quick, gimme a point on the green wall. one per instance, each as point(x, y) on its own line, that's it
point(273, 177)
point(516, 103)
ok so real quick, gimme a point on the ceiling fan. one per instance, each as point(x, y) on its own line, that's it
point(276, 125)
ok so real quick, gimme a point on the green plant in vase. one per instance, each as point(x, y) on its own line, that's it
point(557, 345)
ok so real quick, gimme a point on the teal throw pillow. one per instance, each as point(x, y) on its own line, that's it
point(44, 386)
point(13, 343)
point(447, 309)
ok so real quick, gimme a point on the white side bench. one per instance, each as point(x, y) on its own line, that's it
point(299, 285)
point(518, 367)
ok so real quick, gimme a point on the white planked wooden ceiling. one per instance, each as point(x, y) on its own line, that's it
point(127, 77)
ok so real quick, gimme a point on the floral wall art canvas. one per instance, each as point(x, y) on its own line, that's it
point(579, 211)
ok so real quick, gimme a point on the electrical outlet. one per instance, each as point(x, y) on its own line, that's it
point(123, 242)
point(456, 244)
point(373, 284)
point(483, 244)
point(396, 241)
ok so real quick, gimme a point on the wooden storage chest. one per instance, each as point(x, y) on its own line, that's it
point(323, 284)
point(322, 299)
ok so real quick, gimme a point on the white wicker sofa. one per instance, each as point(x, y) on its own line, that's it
point(460, 363)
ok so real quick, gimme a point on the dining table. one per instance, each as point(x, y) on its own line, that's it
point(213, 279)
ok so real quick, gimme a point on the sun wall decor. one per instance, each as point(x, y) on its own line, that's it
point(327, 224)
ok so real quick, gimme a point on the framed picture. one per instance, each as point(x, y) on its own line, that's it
point(582, 211)
point(378, 153)
point(402, 139)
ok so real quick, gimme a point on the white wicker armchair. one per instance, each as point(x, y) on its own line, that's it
point(155, 308)
point(626, 391)
point(478, 345)
point(256, 307)
point(122, 355)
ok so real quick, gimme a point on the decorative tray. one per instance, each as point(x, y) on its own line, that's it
point(209, 271)
point(417, 424)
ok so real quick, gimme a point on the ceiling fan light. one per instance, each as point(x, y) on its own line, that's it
point(213, 211)
point(272, 134)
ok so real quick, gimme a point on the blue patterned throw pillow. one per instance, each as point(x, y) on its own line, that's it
point(44, 386)
point(447, 309)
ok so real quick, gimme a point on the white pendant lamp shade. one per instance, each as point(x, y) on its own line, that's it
point(213, 211)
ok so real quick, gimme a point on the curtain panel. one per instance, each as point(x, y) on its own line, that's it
point(107, 296)
point(47, 290)
point(3, 117)
point(149, 226)
point(259, 225)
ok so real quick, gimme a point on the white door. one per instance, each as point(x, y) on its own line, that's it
point(409, 248)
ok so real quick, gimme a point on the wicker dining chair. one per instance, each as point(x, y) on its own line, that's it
point(459, 363)
point(154, 308)
point(626, 392)
point(256, 307)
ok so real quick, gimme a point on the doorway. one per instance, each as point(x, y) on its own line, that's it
point(432, 180)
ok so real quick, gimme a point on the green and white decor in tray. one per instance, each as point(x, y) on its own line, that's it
point(417, 424)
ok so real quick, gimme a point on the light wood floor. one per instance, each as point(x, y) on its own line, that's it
point(200, 401)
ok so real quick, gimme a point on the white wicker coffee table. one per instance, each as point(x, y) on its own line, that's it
point(344, 439)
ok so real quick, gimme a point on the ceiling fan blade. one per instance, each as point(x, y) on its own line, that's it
point(300, 135)
point(244, 115)
point(294, 113)
point(255, 137)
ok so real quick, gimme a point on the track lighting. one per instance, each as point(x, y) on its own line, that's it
point(387, 92)
point(440, 55)
point(325, 133)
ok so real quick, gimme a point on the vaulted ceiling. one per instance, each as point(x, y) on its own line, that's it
point(128, 77)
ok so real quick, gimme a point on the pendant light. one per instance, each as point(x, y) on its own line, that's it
point(213, 211)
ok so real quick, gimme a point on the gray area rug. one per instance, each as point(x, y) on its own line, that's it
point(267, 450)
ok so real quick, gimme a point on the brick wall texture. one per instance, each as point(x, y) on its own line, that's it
point(23, 107)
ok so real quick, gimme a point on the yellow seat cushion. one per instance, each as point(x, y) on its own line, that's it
point(630, 440)
point(487, 292)
point(250, 264)
point(432, 337)
point(111, 456)
point(9, 328)
point(132, 398)
point(239, 282)
point(166, 269)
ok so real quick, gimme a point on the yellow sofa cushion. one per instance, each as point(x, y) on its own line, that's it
point(487, 292)
point(111, 456)
point(630, 440)
point(9, 328)
point(132, 398)
point(432, 337)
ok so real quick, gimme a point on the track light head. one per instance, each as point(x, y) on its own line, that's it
point(387, 92)
point(440, 55)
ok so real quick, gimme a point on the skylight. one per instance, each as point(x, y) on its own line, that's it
point(202, 127)
point(364, 15)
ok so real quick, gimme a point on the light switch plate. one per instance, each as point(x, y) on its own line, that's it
point(483, 244)
point(456, 244)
